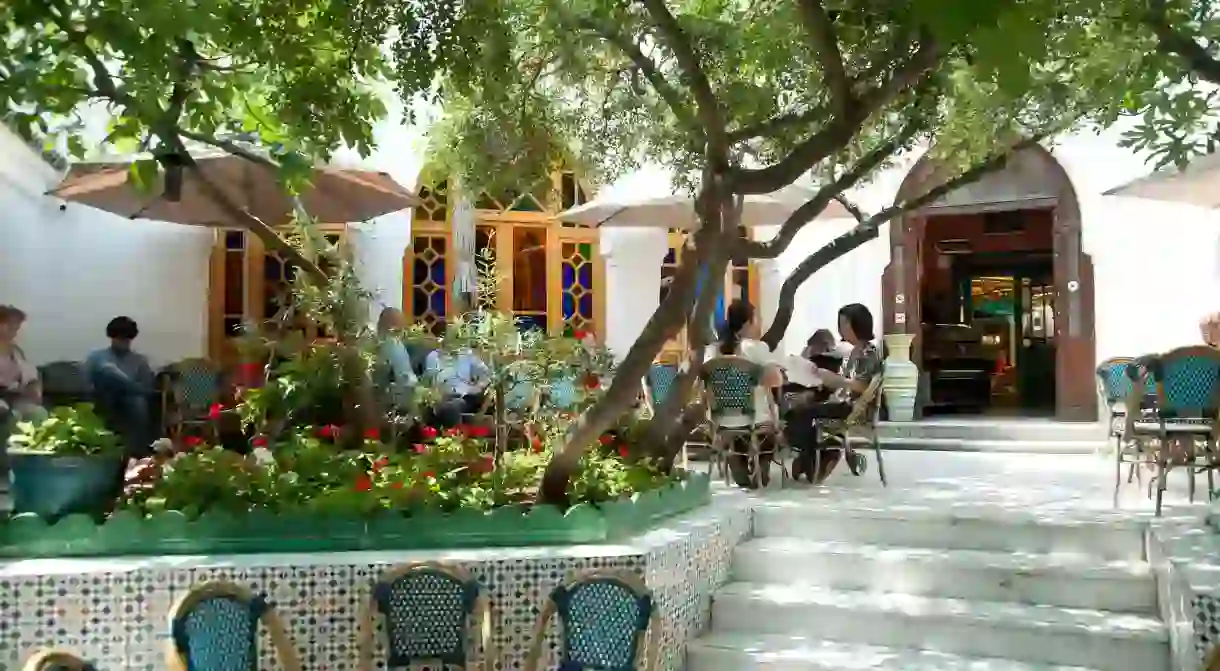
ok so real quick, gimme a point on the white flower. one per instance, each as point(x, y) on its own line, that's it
point(263, 456)
point(163, 445)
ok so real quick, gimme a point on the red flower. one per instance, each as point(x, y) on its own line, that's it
point(579, 335)
point(428, 432)
point(214, 411)
point(606, 439)
point(537, 444)
point(327, 431)
point(419, 448)
point(623, 451)
point(477, 431)
point(380, 464)
point(455, 431)
point(364, 483)
point(259, 441)
point(427, 474)
point(397, 485)
point(192, 441)
point(372, 434)
point(592, 381)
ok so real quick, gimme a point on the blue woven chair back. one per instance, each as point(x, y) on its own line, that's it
point(1116, 383)
point(661, 378)
point(427, 614)
point(563, 394)
point(1188, 383)
point(198, 385)
point(219, 634)
point(519, 396)
point(602, 619)
point(730, 386)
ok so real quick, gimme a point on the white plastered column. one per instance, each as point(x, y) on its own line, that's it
point(633, 259)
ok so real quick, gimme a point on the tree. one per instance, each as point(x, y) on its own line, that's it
point(300, 77)
point(746, 98)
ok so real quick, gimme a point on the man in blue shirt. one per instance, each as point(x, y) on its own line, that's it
point(123, 385)
point(462, 378)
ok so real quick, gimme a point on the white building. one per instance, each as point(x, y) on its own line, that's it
point(1106, 276)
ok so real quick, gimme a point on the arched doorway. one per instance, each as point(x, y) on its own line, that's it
point(994, 275)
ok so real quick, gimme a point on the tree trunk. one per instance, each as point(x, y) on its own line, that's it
point(814, 262)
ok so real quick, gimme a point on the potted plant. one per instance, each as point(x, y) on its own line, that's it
point(67, 463)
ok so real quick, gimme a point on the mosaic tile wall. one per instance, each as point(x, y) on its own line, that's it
point(115, 612)
point(1185, 553)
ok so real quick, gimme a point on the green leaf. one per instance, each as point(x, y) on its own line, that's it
point(144, 174)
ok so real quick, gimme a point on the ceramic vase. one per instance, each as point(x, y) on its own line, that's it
point(901, 381)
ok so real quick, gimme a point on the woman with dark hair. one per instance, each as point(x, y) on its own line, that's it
point(734, 341)
point(852, 378)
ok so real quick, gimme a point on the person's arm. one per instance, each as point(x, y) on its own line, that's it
point(759, 353)
point(146, 379)
point(868, 366)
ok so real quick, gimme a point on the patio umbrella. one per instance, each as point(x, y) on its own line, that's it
point(770, 209)
point(1197, 184)
point(334, 195)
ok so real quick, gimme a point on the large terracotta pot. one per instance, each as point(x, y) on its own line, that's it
point(901, 382)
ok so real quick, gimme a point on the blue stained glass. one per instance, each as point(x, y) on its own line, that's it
point(419, 302)
point(569, 305)
point(586, 276)
point(586, 306)
point(438, 272)
point(419, 271)
point(568, 276)
point(437, 301)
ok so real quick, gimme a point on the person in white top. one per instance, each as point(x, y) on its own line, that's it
point(739, 321)
point(20, 390)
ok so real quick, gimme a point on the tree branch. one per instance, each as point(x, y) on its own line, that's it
point(852, 208)
point(840, 129)
point(826, 47)
point(710, 114)
point(867, 230)
point(1172, 41)
point(103, 81)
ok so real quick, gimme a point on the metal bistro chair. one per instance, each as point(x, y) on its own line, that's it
point(1125, 384)
point(862, 423)
point(1188, 401)
point(214, 627)
point(194, 386)
point(657, 384)
point(51, 659)
point(729, 384)
point(428, 608)
point(605, 617)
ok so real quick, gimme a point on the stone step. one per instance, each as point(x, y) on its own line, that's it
point(1018, 431)
point(943, 525)
point(763, 652)
point(1072, 581)
point(1037, 634)
point(992, 446)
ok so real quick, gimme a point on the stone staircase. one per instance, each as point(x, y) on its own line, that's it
point(913, 586)
point(967, 434)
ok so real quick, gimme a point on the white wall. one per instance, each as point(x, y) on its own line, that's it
point(72, 271)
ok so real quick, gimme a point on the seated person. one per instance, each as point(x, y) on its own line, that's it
point(398, 376)
point(739, 319)
point(820, 350)
point(20, 388)
point(123, 386)
point(852, 378)
point(463, 379)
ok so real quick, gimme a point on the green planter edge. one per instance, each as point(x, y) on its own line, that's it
point(124, 533)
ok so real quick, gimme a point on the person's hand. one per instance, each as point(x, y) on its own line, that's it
point(830, 378)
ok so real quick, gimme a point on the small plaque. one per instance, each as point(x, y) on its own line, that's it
point(900, 318)
point(900, 299)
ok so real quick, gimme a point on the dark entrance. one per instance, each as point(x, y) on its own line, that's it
point(994, 283)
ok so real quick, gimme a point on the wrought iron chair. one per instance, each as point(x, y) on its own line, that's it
point(51, 659)
point(1124, 384)
point(214, 627)
point(1188, 402)
point(608, 619)
point(862, 423)
point(194, 385)
point(729, 383)
point(428, 608)
point(63, 383)
point(657, 383)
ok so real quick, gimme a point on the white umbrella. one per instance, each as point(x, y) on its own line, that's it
point(670, 211)
point(1197, 184)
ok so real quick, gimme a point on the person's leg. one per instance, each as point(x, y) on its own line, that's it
point(137, 422)
point(448, 412)
point(472, 403)
point(828, 456)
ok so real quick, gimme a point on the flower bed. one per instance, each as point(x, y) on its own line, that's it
point(304, 496)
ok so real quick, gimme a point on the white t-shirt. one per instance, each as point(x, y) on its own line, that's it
point(757, 352)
